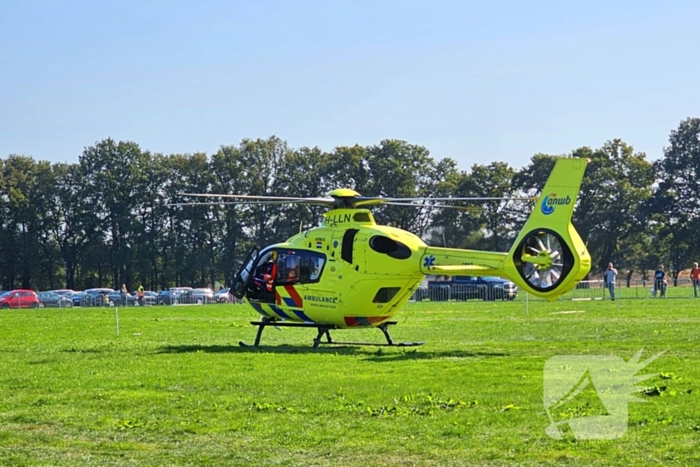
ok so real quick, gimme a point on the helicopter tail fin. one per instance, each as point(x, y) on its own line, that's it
point(549, 258)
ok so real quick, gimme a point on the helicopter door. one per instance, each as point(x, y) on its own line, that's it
point(240, 281)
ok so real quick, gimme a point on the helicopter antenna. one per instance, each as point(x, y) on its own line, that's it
point(301, 224)
point(444, 242)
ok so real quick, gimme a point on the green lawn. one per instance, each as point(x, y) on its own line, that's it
point(174, 388)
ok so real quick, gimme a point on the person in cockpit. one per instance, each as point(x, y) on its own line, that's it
point(293, 270)
point(266, 273)
point(270, 272)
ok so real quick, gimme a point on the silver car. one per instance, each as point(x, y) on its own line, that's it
point(54, 299)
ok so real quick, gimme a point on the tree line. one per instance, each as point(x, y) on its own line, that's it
point(106, 220)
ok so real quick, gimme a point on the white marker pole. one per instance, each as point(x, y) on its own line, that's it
point(527, 304)
point(116, 317)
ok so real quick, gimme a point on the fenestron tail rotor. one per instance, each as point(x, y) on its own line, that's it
point(543, 259)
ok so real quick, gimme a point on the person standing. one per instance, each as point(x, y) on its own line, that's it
point(610, 275)
point(139, 295)
point(124, 294)
point(660, 282)
point(695, 277)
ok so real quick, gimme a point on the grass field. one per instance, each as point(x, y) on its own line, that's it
point(174, 388)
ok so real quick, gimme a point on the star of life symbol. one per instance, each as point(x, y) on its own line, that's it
point(608, 378)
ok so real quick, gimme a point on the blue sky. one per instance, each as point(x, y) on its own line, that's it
point(474, 81)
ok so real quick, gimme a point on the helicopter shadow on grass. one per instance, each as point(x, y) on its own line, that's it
point(380, 355)
point(278, 349)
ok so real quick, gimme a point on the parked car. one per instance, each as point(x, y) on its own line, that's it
point(64, 292)
point(96, 297)
point(498, 289)
point(202, 296)
point(164, 298)
point(54, 299)
point(181, 295)
point(19, 298)
point(115, 297)
point(223, 296)
point(149, 298)
point(76, 297)
point(468, 287)
point(175, 295)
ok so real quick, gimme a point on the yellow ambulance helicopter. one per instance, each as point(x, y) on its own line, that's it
point(350, 272)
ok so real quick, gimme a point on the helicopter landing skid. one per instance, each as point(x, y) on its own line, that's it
point(325, 330)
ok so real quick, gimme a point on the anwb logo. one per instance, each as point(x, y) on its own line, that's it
point(551, 200)
point(588, 394)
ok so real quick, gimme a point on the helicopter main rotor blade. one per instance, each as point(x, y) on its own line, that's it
point(362, 199)
point(465, 198)
point(316, 202)
point(368, 201)
point(439, 206)
point(348, 199)
point(257, 197)
point(253, 202)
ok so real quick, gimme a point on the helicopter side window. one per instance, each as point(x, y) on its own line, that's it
point(299, 267)
point(315, 266)
point(289, 268)
point(389, 247)
point(385, 294)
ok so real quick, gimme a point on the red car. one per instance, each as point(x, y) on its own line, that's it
point(19, 298)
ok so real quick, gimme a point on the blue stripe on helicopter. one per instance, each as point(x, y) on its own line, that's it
point(257, 307)
point(279, 311)
point(303, 316)
point(289, 301)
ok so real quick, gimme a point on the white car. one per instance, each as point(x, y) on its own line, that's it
point(223, 296)
point(203, 296)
